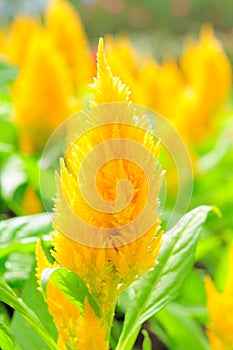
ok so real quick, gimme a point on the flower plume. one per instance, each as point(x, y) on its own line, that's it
point(123, 253)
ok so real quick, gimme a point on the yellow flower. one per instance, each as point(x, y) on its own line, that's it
point(22, 32)
point(123, 60)
point(42, 93)
point(207, 69)
point(14, 44)
point(88, 321)
point(65, 28)
point(208, 74)
point(187, 93)
point(105, 271)
point(161, 86)
point(220, 306)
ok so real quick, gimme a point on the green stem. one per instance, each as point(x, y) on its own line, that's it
point(108, 322)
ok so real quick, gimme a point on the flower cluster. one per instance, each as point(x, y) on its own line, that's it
point(56, 66)
point(187, 92)
point(105, 271)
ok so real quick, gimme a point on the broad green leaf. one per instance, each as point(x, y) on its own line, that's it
point(7, 340)
point(20, 234)
point(18, 268)
point(151, 293)
point(17, 173)
point(71, 285)
point(13, 181)
point(182, 329)
point(147, 344)
point(24, 334)
point(8, 296)
point(189, 295)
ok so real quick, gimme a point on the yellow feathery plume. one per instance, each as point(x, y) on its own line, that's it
point(160, 86)
point(207, 69)
point(65, 28)
point(96, 337)
point(106, 87)
point(65, 314)
point(22, 32)
point(207, 73)
point(42, 94)
point(105, 271)
point(220, 329)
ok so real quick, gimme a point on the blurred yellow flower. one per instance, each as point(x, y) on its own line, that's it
point(188, 92)
point(207, 69)
point(65, 28)
point(161, 86)
point(220, 306)
point(123, 59)
point(208, 77)
point(42, 93)
point(22, 32)
point(106, 271)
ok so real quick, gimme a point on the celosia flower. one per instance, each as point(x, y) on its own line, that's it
point(22, 32)
point(105, 271)
point(188, 93)
point(42, 93)
point(207, 69)
point(161, 86)
point(208, 74)
point(220, 306)
point(119, 50)
point(65, 28)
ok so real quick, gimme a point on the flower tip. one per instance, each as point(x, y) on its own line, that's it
point(102, 65)
point(217, 211)
point(101, 44)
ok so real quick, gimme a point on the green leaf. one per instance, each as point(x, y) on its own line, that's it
point(24, 334)
point(151, 293)
point(7, 340)
point(17, 269)
point(71, 285)
point(189, 295)
point(147, 344)
point(13, 181)
point(182, 329)
point(8, 296)
point(21, 233)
